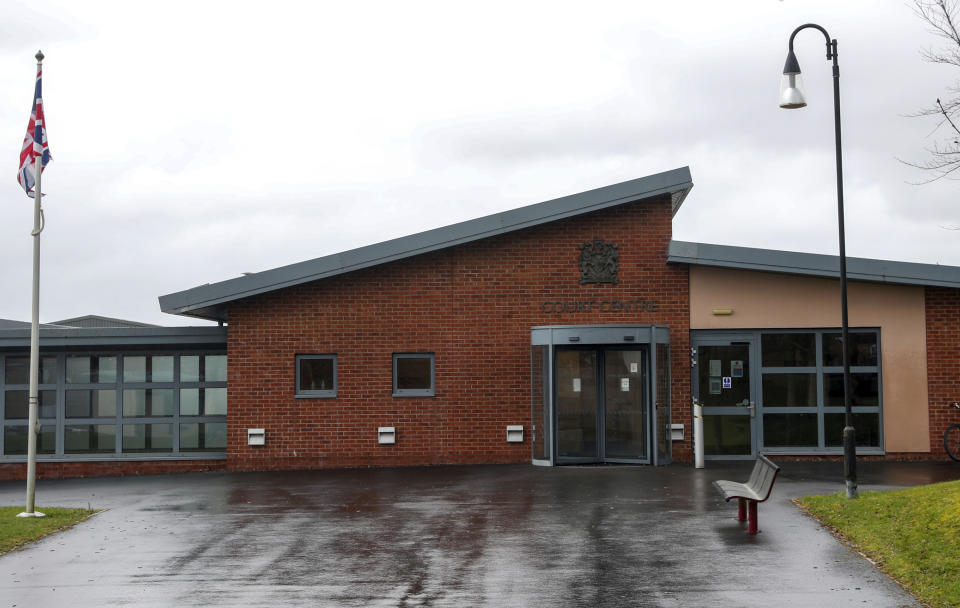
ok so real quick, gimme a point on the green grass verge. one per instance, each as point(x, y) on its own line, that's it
point(18, 531)
point(913, 535)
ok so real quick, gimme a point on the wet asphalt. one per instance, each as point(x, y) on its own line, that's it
point(513, 535)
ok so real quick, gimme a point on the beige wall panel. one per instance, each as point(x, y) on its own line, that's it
point(763, 300)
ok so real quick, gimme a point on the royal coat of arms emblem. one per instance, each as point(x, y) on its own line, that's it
point(599, 262)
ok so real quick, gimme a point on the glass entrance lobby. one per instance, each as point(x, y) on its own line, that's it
point(600, 393)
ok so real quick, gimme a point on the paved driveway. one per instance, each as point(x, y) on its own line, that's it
point(448, 536)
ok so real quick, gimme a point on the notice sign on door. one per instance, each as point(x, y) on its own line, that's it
point(714, 367)
point(736, 368)
point(625, 385)
point(576, 385)
point(715, 385)
point(633, 367)
point(727, 382)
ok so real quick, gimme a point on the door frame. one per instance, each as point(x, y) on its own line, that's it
point(715, 338)
point(601, 403)
point(544, 340)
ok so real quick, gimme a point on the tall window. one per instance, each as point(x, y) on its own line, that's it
point(802, 389)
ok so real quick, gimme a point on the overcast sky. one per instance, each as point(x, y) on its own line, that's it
point(194, 141)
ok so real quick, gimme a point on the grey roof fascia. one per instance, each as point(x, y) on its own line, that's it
point(116, 337)
point(813, 264)
point(206, 301)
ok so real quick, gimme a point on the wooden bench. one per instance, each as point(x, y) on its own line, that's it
point(756, 490)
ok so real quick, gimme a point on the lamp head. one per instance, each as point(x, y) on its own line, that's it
point(791, 84)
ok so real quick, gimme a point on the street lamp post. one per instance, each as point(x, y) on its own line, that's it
point(791, 97)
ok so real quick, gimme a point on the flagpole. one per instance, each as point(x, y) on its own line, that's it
point(32, 429)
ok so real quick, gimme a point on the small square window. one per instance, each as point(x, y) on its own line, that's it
point(413, 375)
point(316, 376)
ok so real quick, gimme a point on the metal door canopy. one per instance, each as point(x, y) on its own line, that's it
point(557, 335)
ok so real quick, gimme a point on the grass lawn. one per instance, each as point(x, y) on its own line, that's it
point(18, 531)
point(912, 534)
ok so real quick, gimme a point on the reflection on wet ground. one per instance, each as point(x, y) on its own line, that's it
point(449, 536)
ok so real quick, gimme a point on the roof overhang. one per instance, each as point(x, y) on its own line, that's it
point(116, 337)
point(210, 301)
point(813, 264)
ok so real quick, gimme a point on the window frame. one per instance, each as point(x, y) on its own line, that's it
point(431, 391)
point(820, 409)
point(60, 424)
point(331, 393)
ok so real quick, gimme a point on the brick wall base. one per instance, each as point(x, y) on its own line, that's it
point(63, 470)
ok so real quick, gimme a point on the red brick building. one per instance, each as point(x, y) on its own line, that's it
point(570, 331)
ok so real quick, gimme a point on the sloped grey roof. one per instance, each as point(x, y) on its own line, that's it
point(813, 264)
point(99, 321)
point(209, 301)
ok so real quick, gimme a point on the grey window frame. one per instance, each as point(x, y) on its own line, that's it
point(315, 394)
point(61, 422)
point(416, 392)
point(820, 409)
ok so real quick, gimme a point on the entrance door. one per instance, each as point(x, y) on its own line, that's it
point(601, 405)
point(725, 388)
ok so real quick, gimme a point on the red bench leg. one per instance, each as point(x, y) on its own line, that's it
point(741, 509)
point(752, 526)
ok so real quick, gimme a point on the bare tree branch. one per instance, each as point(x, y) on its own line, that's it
point(941, 17)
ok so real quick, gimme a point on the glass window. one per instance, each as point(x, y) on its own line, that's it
point(15, 439)
point(203, 436)
point(90, 404)
point(91, 370)
point(789, 390)
point(148, 402)
point(18, 370)
point(216, 368)
point(316, 375)
point(95, 403)
point(413, 375)
point(864, 390)
point(17, 405)
point(801, 407)
point(203, 402)
point(789, 350)
point(866, 425)
point(147, 438)
point(203, 368)
point(726, 435)
point(862, 349)
point(157, 368)
point(790, 430)
point(89, 438)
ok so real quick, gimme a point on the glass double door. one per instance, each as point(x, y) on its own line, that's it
point(725, 387)
point(601, 405)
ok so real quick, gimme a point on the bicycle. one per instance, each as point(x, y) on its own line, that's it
point(951, 437)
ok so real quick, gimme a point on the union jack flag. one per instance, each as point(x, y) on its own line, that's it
point(35, 142)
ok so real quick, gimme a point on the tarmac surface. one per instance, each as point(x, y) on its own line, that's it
point(514, 535)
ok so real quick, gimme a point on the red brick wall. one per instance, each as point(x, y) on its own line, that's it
point(943, 361)
point(59, 470)
point(472, 306)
